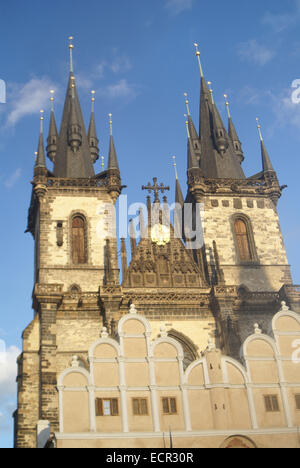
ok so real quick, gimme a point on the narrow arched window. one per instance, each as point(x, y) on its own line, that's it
point(242, 239)
point(78, 240)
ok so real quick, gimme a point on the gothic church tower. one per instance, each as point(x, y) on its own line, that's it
point(72, 259)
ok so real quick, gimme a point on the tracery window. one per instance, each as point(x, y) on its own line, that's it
point(79, 254)
point(243, 241)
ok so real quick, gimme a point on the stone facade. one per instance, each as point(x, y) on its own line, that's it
point(82, 344)
point(219, 401)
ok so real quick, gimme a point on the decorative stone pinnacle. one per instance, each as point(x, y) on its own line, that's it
point(284, 307)
point(211, 345)
point(132, 309)
point(163, 332)
point(257, 329)
point(75, 362)
point(104, 333)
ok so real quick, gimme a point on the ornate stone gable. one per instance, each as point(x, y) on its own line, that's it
point(169, 265)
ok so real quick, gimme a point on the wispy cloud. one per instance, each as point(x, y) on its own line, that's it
point(252, 51)
point(8, 372)
point(13, 178)
point(121, 89)
point(279, 22)
point(28, 99)
point(175, 7)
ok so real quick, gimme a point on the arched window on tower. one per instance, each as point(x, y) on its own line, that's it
point(79, 255)
point(245, 249)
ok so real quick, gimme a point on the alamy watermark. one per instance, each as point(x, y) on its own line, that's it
point(296, 92)
point(188, 222)
point(2, 92)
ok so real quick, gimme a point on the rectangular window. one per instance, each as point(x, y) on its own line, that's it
point(169, 405)
point(107, 407)
point(271, 403)
point(139, 406)
point(297, 399)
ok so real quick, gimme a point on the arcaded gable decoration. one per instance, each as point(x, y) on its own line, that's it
point(158, 370)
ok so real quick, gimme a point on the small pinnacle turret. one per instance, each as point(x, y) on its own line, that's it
point(266, 161)
point(112, 156)
point(40, 159)
point(237, 145)
point(53, 135)
point(92, 134)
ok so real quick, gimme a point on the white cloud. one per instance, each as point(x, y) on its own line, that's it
point(252, 51)
point(282, 21)
point(29, 98)
point(11, 181)
point(8, 372)
point(121, 89)
point(178, 6)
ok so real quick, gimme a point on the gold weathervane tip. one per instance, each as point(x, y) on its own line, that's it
point(187, 103)
point(259, 129)
point(71, 47)
point(199, 60)
point(175, 166)
point(227, 105)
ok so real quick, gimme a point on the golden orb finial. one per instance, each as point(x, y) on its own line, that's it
point(259, 129)
point(71, 47)
point(187, 103)
point(227, 105)
point(199, 60)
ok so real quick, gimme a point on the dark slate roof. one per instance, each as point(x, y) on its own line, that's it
point(41, 160)
point(112, 157)
point(212, 162)
point(71, 164)
point(266, 161)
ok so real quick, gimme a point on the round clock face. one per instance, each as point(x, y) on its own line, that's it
point(160, 234)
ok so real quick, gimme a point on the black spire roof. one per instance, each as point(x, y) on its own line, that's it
point(73, 158)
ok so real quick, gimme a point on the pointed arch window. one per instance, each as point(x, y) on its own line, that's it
point(79, 254)
point(244, 240)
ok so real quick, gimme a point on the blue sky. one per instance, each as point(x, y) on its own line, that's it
point(139, 57)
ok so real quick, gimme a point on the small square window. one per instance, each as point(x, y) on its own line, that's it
point(169, 405)
point(107, 407)
point(271, 403)
point(140, 406)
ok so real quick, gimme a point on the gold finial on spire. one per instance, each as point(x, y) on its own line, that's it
point(110, 123)
point(227, 105)
point(187, 126)
point(42, 119)
point(211, 91)
point(199, 60)
point(93, 100)
point(52, 99)
point(175, 166)
point(71, 47)
point(259, 129)
point(187, 103)
point(102, 163)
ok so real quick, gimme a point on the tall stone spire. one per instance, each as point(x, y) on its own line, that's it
point(73, 158)
point(112, 157)
point(237, 145)
point(192, 162)
point(40, 159)
point(218, 157)
point(178, 192)
point(266, 161)
point(92, 133)
point(53, 135)
point(192, 131)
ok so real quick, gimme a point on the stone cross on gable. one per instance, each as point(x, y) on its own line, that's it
point(155, 188)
